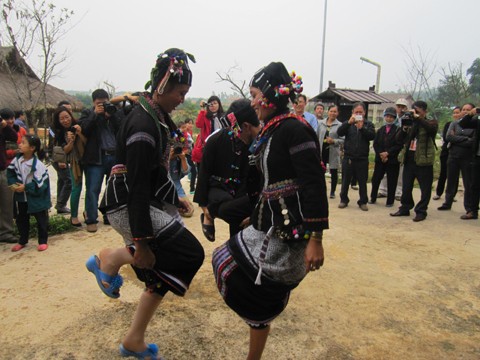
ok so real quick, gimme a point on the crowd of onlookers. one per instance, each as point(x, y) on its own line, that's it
point(404, 146)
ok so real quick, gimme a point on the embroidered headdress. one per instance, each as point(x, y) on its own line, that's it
point(172, 63)
point(277, 85)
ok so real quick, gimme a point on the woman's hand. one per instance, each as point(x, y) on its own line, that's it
point(314, 254)
point(20, 188)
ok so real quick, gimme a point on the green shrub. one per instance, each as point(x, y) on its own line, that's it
point(57, 224)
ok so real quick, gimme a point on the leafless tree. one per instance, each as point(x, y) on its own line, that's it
point(235, 85)
point(420, 69)
point(34, 29)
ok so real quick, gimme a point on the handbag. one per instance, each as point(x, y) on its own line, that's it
point(58, 155)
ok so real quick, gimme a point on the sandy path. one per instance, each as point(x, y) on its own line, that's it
point(390, 289)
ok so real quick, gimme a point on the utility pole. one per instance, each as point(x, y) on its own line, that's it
point(323, 45)
point(377, 84)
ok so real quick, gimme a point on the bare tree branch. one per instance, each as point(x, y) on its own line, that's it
point(235, 85)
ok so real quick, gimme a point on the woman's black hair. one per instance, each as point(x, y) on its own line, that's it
point(220, 111)
point(332, 106)
point(457, 108)
point(58, 129)
point(34, 141)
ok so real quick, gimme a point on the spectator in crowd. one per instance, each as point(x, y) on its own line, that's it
point(299, 107)
point(68, 135)
point(28, 179)
point(386, 148)
point(319, 110)
point(330, 144)
point(358, 133)
point(209, 119)
point(401, 106)
point(100, 126)
point(141, 203)
point(12, 147)
point(442, 178)
point(179, 167)
point(193, 165)
point(7, 133)
point(472, 121)
point(21, 120)
point(64, 180)
point(257, 269)
point(222, 180)
point(418, 155)
point(459, 160)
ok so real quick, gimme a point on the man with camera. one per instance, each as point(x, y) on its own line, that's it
point(418, 155)
point(472, 121)
point(358, 132)
point(100, 125)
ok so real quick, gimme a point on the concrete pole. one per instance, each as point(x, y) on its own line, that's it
point(323, 45)
point(377, 85)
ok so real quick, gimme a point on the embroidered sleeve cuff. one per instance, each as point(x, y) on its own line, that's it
point(315, 224)
point(143, 238)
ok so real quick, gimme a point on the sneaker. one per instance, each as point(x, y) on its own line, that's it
point(63, 210)
point(363, 207)
point(42, 247)
point(398, 198)
point(354, 187)
point(332, 196)
point(372, 201)
point(342, 205)
point(389, 205)
point(380, 195)
point(17, 247)
point(92, 227)
point(436, 197)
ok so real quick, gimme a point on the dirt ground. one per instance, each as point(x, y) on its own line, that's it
point(390, 289)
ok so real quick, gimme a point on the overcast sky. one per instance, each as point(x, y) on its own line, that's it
point(118, 41)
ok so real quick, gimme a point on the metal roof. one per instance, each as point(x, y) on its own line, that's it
point(366, 96)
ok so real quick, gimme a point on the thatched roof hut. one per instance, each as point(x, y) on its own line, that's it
point(17, 79)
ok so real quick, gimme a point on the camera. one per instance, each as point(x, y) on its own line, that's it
point(407, 118)
point(177, 149)
point(358, 118)
point(109, 108)
point(477, 110)
point(205, 105)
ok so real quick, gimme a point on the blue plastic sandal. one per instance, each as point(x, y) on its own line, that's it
point(151, 352)
point(114, 282)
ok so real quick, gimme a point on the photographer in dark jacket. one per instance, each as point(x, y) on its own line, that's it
point(100, 125)
point(472, 121)
point(459, 160)
point(418, 155)
point(358, 132)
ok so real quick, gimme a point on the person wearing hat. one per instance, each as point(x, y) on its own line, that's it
point(418, 157)
point(401, 106)
point(257, 268)
point(141, 203)
point(386, 149)
point(222, 181)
